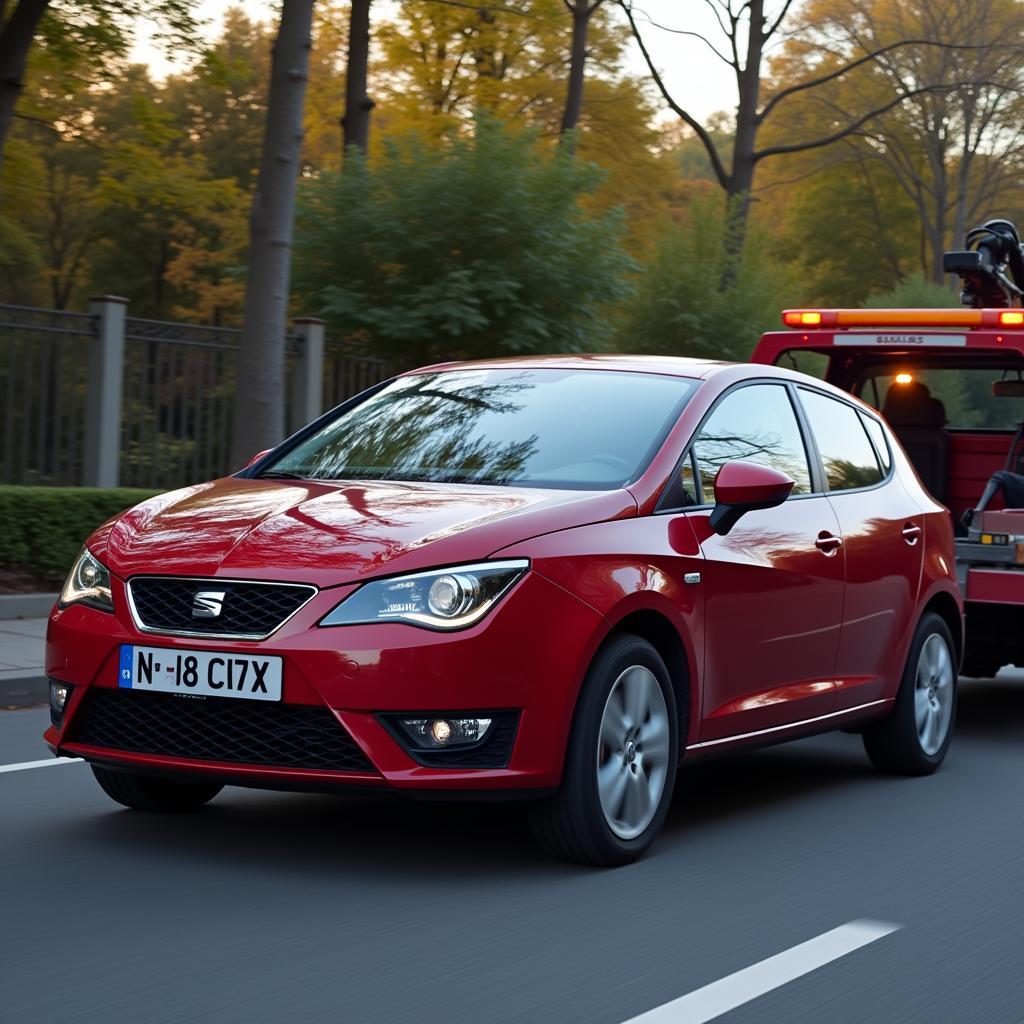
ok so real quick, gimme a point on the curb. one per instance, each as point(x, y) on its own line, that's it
point(26, 606)
point(30, 691)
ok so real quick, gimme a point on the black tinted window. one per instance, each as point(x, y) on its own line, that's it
point(579, 429)
point(752, 424)
point(877, 434)
point(843, 442)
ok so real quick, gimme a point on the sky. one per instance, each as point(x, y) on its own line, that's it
point(697, 79)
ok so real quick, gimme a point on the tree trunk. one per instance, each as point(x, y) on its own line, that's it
point(577, 66)
point(744, 158)
point(15, 42)
point(259, 398)
point(356, 122)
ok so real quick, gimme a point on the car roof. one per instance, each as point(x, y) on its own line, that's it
point(676, 366)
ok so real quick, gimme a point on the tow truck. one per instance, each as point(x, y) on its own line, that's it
point(950, 382)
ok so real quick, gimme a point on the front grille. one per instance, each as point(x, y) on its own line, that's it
point(217, 729)
point(165, 604)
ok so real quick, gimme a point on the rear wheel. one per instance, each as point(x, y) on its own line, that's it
point(152, 793)
point(914, 739)
point(620, 766)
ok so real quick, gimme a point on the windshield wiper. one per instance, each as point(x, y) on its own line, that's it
point(282, 474)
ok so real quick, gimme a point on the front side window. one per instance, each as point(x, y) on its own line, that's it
point(843, 442)
point(574, 429)
point(752, 424)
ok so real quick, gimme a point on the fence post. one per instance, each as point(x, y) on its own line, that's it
point(102, 463)
point(307, 397)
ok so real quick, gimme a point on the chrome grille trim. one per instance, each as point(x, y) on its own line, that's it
point(210, 582)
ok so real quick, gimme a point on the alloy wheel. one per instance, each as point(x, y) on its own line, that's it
point(933, 694)
point(633, 752)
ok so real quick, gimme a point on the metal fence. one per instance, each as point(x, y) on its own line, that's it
point(43, 380)
point(174, 384)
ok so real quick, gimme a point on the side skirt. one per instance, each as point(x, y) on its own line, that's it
point(795, 730)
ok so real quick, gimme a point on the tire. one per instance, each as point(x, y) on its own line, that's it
point(574, 825)
point(900, 744)
point(152, 793)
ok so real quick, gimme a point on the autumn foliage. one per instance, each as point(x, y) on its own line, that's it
point(474, 224)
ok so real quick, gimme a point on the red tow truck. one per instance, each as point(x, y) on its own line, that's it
point(950, 382)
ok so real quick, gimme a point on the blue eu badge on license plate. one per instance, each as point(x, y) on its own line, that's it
point(124, 674)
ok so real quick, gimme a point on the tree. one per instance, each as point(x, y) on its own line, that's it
point(749, 30)
point(220, 102)
point(356, 122)
point(953, 150)
point(677, 308)
point(581, 12)
point(442, 62)
point(481, 247)
point(101, 30)
point(259, 409)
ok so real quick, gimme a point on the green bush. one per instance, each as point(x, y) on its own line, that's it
point(482, 247)
point(43, 528)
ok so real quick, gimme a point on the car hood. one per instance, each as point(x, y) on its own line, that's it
point(334, 533)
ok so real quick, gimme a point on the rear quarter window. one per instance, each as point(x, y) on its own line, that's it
point(877, 434)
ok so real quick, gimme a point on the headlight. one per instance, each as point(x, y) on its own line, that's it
point(88, 583)
point(441, 599)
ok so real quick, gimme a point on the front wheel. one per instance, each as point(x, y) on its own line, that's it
point(913, 740)
point(152, 793)
point(620, 766)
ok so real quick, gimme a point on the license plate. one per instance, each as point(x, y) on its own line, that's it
point(200, 673)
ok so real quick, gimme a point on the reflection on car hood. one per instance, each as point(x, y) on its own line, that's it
point(334, 533)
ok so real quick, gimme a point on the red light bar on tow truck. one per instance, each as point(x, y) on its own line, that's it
point(961, 318)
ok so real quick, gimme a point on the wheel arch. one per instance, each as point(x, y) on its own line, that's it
point(946, 606)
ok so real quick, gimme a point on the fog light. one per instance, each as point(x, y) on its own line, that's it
point(433, 733)
point(59, 693)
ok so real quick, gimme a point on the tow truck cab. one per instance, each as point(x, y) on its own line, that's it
point(930, 372)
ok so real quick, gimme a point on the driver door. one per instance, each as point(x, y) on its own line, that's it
point(774, 585)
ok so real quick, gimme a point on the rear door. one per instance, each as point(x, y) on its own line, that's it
point(774, 584)
point(882, 530)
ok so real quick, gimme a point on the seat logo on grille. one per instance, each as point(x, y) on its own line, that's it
point(208, 604)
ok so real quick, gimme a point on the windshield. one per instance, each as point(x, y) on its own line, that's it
point(576, 429)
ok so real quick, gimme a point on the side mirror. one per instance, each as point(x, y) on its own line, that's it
point(742, 487)
point(257, 457)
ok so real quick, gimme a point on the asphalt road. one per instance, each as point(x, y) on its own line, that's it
point(278, 908)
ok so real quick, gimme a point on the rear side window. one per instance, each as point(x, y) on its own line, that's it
point(877, 434)
point(753, 424)
point(846, 451)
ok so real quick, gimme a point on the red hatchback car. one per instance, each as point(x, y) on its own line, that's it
point(549, 578)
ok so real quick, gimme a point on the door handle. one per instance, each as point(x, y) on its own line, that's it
point(828, 543)
point(911, 533)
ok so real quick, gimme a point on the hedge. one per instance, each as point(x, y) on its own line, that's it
point(43, 528)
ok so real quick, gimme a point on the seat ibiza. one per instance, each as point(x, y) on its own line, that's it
point(548, 578)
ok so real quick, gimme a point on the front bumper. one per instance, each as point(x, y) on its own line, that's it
point(526, 659)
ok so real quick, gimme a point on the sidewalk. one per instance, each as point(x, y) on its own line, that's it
point(22, 679)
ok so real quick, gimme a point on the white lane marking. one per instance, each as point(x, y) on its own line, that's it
point(704, 1004)
point(48, 762)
